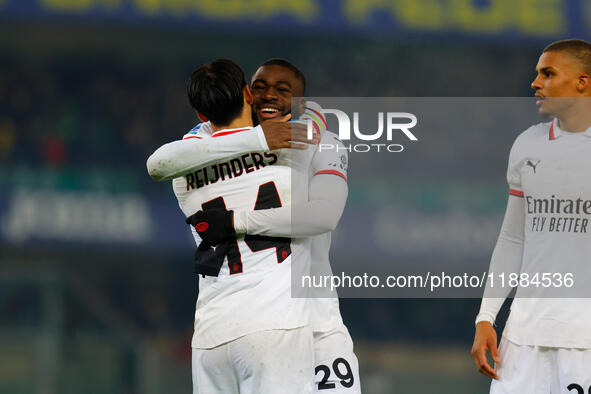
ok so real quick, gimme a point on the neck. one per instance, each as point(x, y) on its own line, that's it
point(244, 120)
point(576, 119)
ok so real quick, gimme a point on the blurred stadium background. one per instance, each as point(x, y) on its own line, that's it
point(96, 286)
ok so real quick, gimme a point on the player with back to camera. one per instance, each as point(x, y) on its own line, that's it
point(274, 85)
point(250, 335)
point(546, 343)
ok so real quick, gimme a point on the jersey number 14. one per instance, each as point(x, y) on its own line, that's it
point(267, 197)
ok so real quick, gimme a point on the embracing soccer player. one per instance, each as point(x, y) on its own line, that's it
point(250, 335)
point(546, 343)
point(274, 85)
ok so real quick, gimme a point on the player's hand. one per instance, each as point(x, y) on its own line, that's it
point(485, 339)
point(281, 134)
point(213, 226)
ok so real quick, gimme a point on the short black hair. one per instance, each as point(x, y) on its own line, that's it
point(285, 63)
point(580, 49)
point(215, 90)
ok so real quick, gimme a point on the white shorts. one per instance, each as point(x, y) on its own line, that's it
point(542, 370)
point(336, 366)
point(266, 362)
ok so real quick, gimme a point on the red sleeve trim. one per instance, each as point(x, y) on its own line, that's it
point(193, 136)
point(221, 133)
point(316, 128)
point(332, 172)
point(515, 192)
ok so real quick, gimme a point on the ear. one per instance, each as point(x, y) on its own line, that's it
point(584, 83)
point(201, 117)
point(247, 95)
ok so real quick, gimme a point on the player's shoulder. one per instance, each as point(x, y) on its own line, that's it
point(202, 130)
point(327, 136)
point(529, 138)
point(330, 146)
point(536, 132)
point(315, 113)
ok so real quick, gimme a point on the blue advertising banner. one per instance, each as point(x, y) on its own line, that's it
point(521, 19)
point(91, 219)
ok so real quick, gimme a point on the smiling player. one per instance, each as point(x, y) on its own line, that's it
point(250, 335)
point(274, 85)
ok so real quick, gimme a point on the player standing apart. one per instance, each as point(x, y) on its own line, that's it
point(546, 343)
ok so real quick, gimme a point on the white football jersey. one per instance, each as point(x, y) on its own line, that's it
point(325, 313)
point(549, 169)
point(253, 289)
